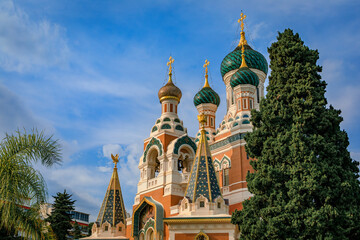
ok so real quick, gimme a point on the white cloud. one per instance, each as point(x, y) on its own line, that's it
point(112, 149)
point(89, 183)
point(332, 70)
point(15, 116)
point(104, 169)
point(355, 156)
point(128, 164)
point(25, 44)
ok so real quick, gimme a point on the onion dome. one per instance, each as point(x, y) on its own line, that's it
point(170, 91)
point(253, 58)
point(206, 94)
point(244, 75)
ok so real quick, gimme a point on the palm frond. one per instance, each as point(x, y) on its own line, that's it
point(21, 184)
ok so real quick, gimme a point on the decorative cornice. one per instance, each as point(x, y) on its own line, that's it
point(169, 97)
point(198, 220)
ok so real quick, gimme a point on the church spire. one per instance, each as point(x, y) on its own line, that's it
point(112, 209)
point(242, 34)
point(203, 179)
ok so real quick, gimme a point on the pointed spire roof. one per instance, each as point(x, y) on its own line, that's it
point(112, 209)
point(203, 179)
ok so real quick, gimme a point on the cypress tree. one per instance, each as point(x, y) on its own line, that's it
point(305, 184)
point(60, 217)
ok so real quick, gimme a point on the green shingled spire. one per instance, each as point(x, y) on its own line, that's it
point(203, 179)
point(112, 209)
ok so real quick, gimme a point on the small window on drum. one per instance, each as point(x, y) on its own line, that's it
point(202, 204)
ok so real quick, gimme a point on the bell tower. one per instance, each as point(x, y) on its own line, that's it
point(206, 102)
point(168, 155)
point(244, 71)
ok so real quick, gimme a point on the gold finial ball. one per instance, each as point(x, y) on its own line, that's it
point(202, 118)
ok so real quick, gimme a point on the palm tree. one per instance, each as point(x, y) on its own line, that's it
point(22, 185)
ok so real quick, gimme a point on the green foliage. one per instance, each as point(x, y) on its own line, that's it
point(77, 231)
point(21, 184)
point(305, 183)
point(60, 217)
point(89, 228)
point(8, 235)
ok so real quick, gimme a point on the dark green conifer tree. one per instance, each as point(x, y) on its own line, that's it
point(60, 217)
point(305, 183)
point(77, 231)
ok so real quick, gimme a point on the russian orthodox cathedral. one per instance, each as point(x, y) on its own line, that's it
point(188, 186)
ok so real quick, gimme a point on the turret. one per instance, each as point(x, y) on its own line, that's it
point(111, 221)
point(244, 71)
point(206, 102)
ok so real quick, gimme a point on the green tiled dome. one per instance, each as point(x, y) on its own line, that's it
point(206, 95)
point(253, 59)
point(244, 76)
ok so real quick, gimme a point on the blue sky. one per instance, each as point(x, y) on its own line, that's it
point(89, 72)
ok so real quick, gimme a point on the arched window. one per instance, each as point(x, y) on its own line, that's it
point(154, 163)
point(150, 234)
point(202, 236)
point(245, 103)
point(185, 160)
point(232, 96)
point(166, 126)
point(226, 177)
point(142, 236)
point(179, 127)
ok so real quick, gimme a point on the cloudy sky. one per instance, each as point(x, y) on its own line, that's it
point(88, 72)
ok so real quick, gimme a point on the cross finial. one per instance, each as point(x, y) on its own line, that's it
point(206, 73)
point(169, 63)
point(242, 34)
point(115, 158)
point(241, 19)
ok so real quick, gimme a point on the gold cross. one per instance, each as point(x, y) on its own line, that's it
point(241, 19)
point(206, 73)
point(170, 62)
point(206, 66)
